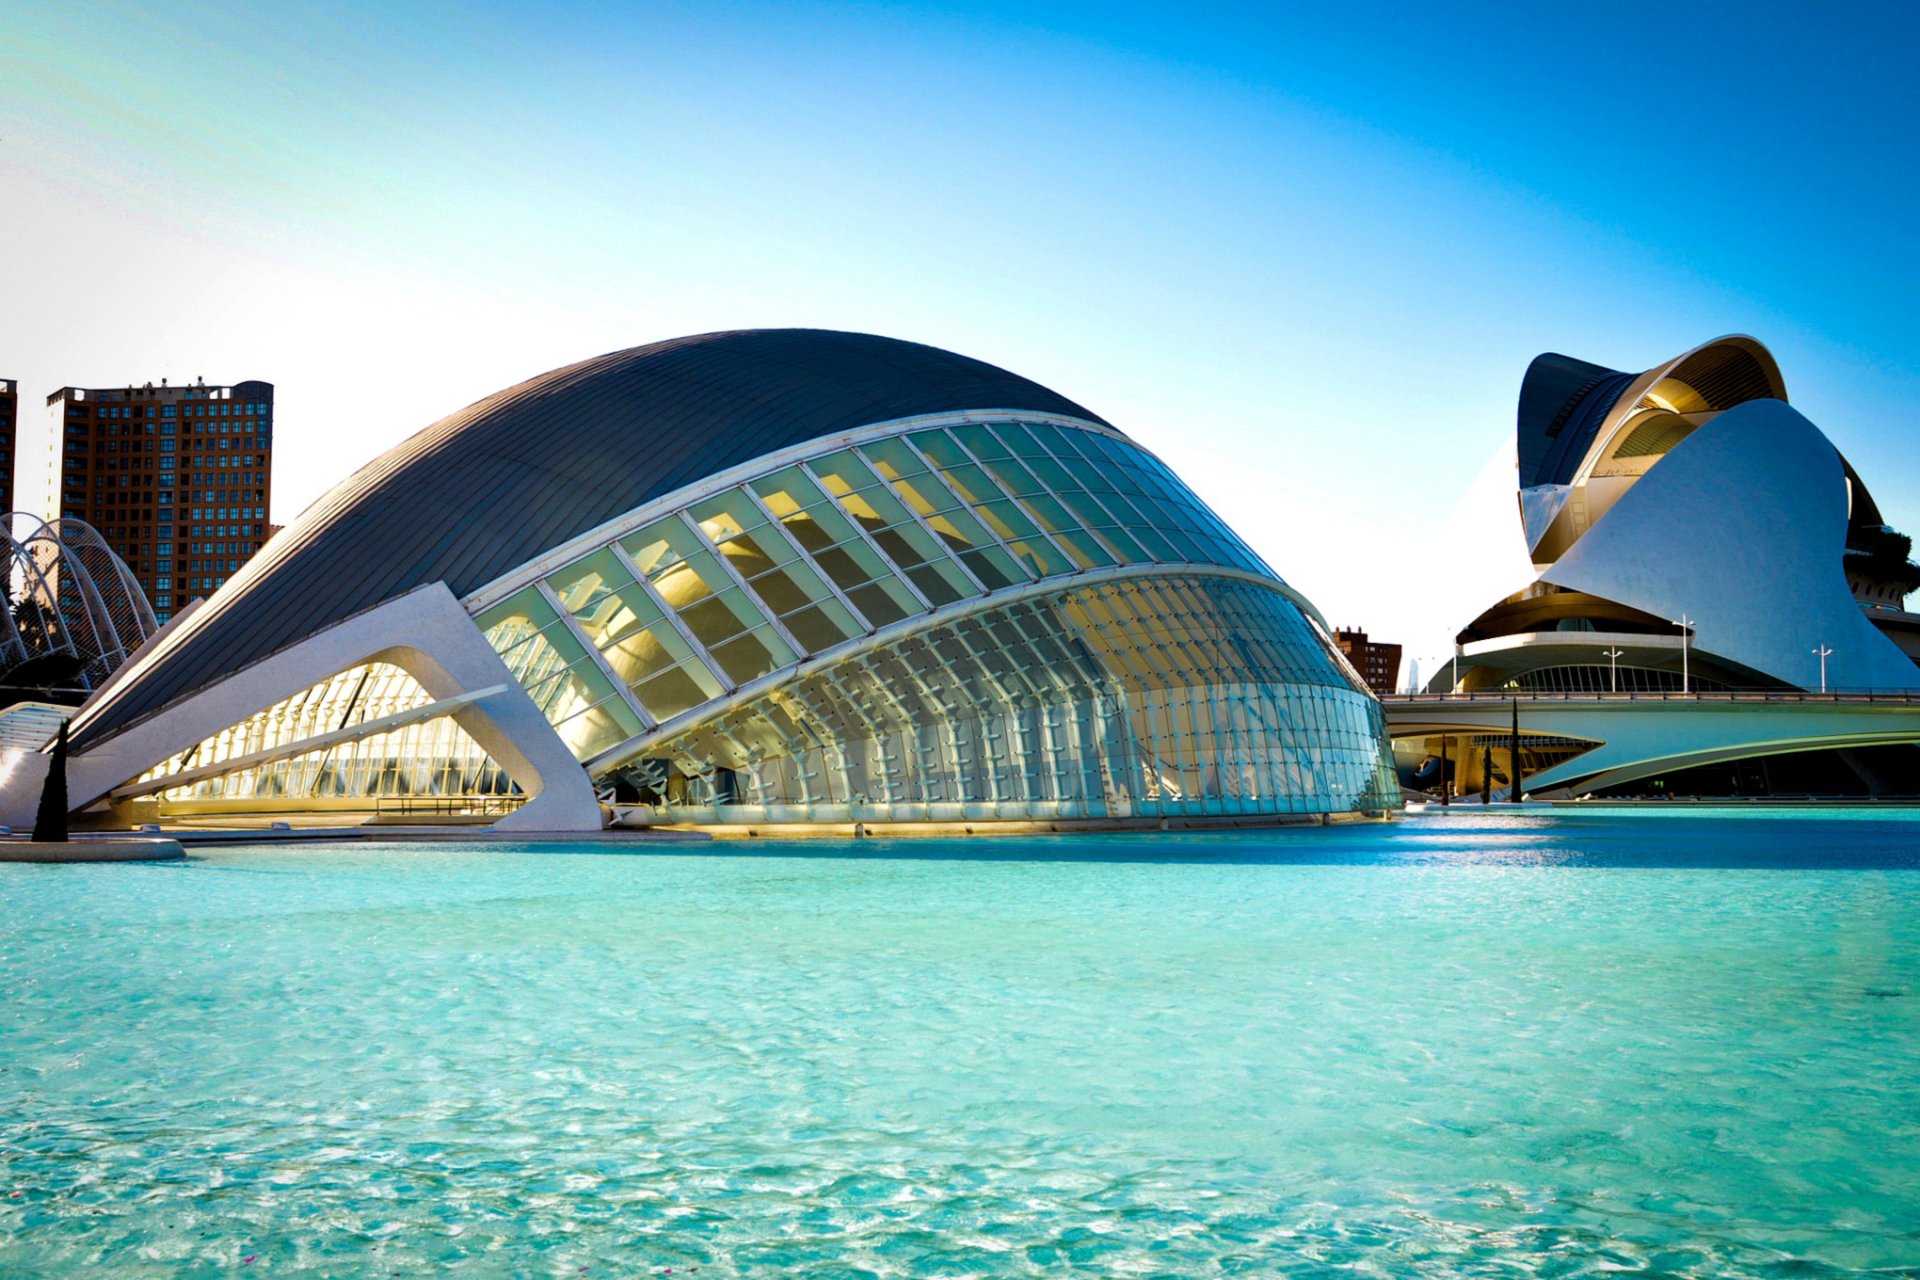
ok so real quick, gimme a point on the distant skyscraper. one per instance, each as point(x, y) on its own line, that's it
point(1378, 664)
point(9, 420)
point(178, 479)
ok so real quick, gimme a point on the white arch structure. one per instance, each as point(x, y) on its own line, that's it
point(70, 593)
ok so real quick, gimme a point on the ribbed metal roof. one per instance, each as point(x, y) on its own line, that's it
point(506, 479)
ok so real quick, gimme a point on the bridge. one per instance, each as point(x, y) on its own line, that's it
point(1637, 735)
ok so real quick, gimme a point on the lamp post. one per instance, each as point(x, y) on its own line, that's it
point(1613, 654)
point(1823, 653)
point(1685, 624)
point(1513, 748)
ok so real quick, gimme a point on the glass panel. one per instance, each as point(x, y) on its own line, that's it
point(1054, 518)
point(982, 443)
point(667, 552)
point(1013, 477)
point(828, 535)
point(782, 594)
point(877, 602)
point(855, 486)
point(601, 594)
point(1008, 715)
point(778, 574)
point(991, 504)
point(750, 656)
point(1090, 511)
point(675, 691)
point(559, 675)
point(1020, 439)
point(945, 513)
point(646, 651)
point(595, 729)
point(815, 626)
point(585, 586)
point(689, 578)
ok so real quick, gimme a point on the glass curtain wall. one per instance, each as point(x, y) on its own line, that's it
point(433, 758)
point(763, 575)
point(1175, 697)
point(1170, 693)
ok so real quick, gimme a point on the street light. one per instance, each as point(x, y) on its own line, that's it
point(1823, 653)
point(1613, 668)
point(1685, 623)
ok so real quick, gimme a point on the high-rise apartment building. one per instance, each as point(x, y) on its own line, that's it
point(177, 479)
point(9, 420)
point(1378, 664)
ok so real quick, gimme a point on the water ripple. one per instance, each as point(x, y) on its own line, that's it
point(1436, 1049)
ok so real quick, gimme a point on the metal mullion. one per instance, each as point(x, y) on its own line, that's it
point(1119, 556)
point(673, 618)
point(826, 579)
point(926, 605)
point(1116, 574)
point(748, 593)
point(960, 503)
point(1045, 709)
point(871, 670)
point(1039, 526)
point(1067, 689)
point(831, 746)
point(592, 651)
point(1010, 716)
point(835, 679)
point(983, 764)
point(1093, 497)
point(921, 520)
point(1121, 776)
point(799, 744)
point(720, 728)
point(935, 704)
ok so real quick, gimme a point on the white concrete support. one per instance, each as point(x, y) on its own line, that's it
point(425, 633)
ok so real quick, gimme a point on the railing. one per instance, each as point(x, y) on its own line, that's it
point(449, 806)
point(1750, 695)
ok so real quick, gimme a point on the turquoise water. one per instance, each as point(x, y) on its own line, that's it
point(1495, 1046)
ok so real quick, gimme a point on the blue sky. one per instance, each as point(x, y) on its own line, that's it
point(1305, 256)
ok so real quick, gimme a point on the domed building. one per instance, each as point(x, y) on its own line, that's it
point(762, 577)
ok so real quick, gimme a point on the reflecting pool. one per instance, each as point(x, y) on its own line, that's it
point(1500, 1045)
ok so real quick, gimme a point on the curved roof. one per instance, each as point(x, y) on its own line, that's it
point(1567, 406)
point(1743, 526)
point(504, 480)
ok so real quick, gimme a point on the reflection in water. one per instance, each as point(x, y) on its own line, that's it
point(1463, 1045)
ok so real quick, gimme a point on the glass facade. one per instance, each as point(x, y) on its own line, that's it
point(1180, 696)
point(432, 758)
point(1151, 695)
point(1020, 620)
